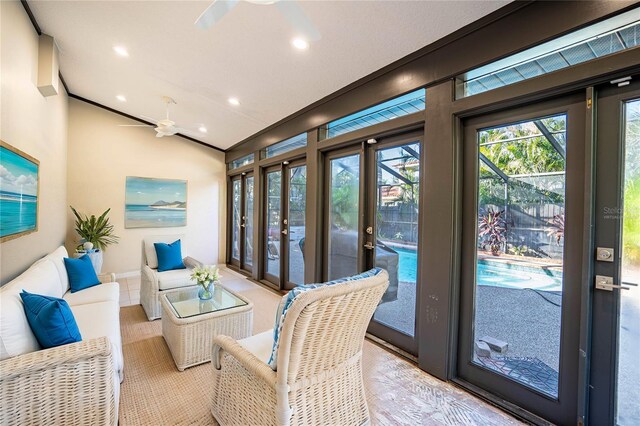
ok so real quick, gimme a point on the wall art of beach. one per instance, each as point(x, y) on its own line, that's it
point(155, 203)
point(18, 193)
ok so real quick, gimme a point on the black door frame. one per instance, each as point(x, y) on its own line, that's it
point(281, 282)
point(396, 338)
point(605, 320)
point(564, 409)
point(240, 264)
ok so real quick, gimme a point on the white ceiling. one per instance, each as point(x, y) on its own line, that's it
point(247, 55)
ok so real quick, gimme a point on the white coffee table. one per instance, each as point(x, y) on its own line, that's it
point(190, 324)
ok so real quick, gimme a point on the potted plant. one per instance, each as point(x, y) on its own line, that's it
point(492, 229)
point(95, 235)
point(205, 277)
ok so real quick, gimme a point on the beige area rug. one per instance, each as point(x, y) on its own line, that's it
point(154, 392)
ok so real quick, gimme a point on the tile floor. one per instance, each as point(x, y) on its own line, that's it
point(129, 290)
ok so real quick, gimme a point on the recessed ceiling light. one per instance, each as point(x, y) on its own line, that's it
point(121, 51)
point(234, 101)
point(121, 98)
point(300, 43)
point(202, 129)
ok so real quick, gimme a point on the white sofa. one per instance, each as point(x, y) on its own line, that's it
point(153, 283)
point(78, 383)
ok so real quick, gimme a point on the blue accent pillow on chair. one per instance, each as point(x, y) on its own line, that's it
point(287, 300)
point(169, 256)
point(81, 273)
point(50, 319)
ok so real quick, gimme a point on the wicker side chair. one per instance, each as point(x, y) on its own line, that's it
point(151, 281)
point(318, 379)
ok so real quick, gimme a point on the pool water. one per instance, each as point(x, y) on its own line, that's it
point(488, 274)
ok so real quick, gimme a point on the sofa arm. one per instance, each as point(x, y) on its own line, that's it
point(244, 357)
point(74, 383)
point(107, 278)
point(192, 263)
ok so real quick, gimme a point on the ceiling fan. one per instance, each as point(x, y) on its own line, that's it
point(165, 127)
point(290, 9)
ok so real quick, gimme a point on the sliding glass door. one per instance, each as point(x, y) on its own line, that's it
point(285, 201)
point(373, 214)
point(615, 374)
point(241, 241)
point(521, 267)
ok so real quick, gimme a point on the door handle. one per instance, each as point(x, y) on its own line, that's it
point(285, 232)
point(243, 225)
point(369, 246)
point(606, 283)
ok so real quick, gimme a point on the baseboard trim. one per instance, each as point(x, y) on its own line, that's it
point(128, 274)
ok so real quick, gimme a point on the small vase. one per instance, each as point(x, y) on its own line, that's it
point(205, 294)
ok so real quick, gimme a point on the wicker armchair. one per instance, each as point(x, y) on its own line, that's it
point(73, 384)
point(318, 379)
point(151, 285)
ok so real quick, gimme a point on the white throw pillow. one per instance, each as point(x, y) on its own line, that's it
point(16, 337)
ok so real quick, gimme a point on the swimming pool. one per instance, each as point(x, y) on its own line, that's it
point(489, 273)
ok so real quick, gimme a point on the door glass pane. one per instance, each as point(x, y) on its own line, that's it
point(235, 226)
point(628, 392)
point(520, 250)
point(296, 217)
point(248, 214)
point(272, 250)
point(397, 194)
point(344, 200)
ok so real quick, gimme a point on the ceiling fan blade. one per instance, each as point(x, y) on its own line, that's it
point(214, 13)
point(298, 19)
point(149, 119)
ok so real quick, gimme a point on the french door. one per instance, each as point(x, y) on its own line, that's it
point(522, 264)
point(615, 372)
point(241, 241)
point(372, 195)
point(285, 201)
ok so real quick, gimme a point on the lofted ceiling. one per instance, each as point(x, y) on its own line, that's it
point(247, 55)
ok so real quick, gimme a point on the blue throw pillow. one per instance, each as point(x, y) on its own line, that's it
point(169, 256)
point(81, 273)
point(50, 319)
point(288, 299)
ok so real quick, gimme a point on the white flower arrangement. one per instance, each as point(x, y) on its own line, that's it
point(205, 275)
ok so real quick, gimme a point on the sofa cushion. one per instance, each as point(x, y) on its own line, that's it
point(50, 319)
point(107, 292)
point(260, 345)
point(16, 337)
point(169, 256)
point(102, 319)
point(174, 279)
point(81, 273)
point(288, 299)
point(150, 250)
point(57, 258)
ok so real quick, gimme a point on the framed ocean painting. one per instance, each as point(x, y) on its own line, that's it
point(155, 203)
point(19, 183)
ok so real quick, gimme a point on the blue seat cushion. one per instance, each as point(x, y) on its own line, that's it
point(288, 299)
point(81, 273)
point(50, 319)
point(169, 256)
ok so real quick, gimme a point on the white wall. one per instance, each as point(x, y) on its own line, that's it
point(37, 126)
point(101, 155)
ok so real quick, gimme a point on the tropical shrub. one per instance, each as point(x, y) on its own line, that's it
point(492, 230)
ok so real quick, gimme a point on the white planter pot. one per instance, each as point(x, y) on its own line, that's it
point(96, 259)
